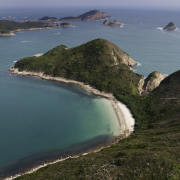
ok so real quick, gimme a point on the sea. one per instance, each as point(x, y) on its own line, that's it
point(40, 120)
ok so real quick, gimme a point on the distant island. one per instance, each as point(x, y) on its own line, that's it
point(47, 18)
point(113, 24)
point(10, 17)
point(88, 16)
point(170, 26)
point(8, 28)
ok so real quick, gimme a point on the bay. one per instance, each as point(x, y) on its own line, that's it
point(39, 116)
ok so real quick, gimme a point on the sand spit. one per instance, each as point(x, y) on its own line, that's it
point(124, 116)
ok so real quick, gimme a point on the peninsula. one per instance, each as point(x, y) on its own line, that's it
point(8, 28)
point(88, 16)
point(152, 151)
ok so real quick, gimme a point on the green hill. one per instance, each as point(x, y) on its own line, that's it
point(98, 63)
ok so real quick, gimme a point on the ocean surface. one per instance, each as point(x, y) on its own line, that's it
point(43, 120)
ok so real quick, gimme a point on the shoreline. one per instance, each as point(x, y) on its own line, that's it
point(125, 119)
point(12, 33)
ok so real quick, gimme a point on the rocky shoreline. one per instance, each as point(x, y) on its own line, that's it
point(12, 33)
point(125, 119)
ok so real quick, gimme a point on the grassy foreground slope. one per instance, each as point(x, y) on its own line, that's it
point(91, 63)
point(151, 152)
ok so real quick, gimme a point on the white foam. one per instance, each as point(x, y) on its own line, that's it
point(160, 28)
point(166, 74)
point(177, 29)
point(57, 33)
point(15, 61)
point(138, 64)
point(73, 26)
point(25, 41)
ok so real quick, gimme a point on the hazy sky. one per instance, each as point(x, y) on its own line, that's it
point(120, 3)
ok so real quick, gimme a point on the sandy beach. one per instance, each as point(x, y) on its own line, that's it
point(125, 119)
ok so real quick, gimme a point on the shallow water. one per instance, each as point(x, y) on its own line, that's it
point(39, 116)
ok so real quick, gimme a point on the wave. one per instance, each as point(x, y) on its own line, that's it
point(4, 17)
point(138, 64)
point(177, 29)
point(14, 61)
point(160, 28)
point(25, 41)
point(73, 26)
point(57, 33)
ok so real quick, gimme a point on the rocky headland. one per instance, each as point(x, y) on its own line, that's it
point(151, 82)
point(112, 24)
point(170, 26)
point(88, 16)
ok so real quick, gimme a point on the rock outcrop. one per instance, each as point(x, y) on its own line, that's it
point(66, 25)
point(7, 34)
point(170, 26)
point(153, 80)
point(88, 16)
point(113, 24)
point(47, 18)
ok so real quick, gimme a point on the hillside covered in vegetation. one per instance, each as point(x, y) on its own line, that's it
point(98, 63)
point(8, 26)
point(152, 151)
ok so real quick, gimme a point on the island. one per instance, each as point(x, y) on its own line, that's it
point(112, 24)
point(10, 17)
point(8, 28)
point(47, 18)
point(152, 150)
point(88, 16)
point(170, 26)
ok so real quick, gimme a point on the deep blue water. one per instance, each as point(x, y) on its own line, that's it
point(39, 116)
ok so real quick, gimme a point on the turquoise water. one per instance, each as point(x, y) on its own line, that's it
point(39, 116)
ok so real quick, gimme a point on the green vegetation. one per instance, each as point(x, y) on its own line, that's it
point(8, 26)
point(91, 63)
point(151, 152)
point(46, 18)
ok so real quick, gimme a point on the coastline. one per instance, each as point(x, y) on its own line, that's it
point(124, 116)
point(12, 33)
